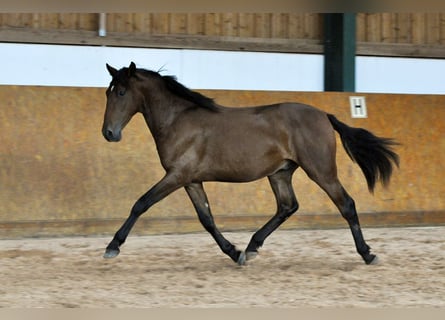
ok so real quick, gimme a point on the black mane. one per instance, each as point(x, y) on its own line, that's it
point(182, 91)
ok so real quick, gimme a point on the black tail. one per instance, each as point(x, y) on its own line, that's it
point(373, 154)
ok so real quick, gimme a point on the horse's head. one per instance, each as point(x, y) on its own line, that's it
point(123, 101)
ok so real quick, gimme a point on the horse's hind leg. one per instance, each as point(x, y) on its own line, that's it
point(199, 199)
point(346, 205)
point(319, 164)
point(287, 204)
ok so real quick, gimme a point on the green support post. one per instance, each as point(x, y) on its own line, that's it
point(339, 52)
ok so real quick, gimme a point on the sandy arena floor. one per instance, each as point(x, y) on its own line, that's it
point(297, 268)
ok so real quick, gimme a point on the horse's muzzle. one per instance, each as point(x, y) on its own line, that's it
point(112, 136)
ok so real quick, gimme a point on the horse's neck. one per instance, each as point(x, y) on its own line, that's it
point(160, 112)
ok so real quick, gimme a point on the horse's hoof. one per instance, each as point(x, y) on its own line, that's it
point(242, 259)
point(251, 255)
point(111, 253)
point(372, 259)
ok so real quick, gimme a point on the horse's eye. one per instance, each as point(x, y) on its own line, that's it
point(121, 92)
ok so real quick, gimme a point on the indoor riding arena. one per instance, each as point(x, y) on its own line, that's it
point(65, 190)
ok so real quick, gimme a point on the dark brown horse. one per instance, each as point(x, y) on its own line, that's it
point(199, 140)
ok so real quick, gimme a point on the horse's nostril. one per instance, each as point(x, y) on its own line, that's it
point(111, 135)
point(108, 134)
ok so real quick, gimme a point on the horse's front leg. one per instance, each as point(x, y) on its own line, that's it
point(163, 188)
point(199, 199)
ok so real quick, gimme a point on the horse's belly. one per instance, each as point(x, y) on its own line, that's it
point(243, 169)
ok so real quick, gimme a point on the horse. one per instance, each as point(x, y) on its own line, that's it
point(198, 140)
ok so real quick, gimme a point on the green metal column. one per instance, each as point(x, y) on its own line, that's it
point(339, 51)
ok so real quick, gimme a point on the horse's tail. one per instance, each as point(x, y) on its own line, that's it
point(373, 154)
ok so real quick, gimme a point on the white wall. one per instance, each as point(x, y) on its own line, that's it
point(400, 75)
point(53, 65)
point(57, 65)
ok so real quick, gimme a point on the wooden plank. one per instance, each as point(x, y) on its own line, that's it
point(318, 21)
point(313, 26)
point(307, 27)
point(14, 20)
point(35, 21)
point(432, 28)
point(195, 23)
point(263, 25)
point(49, 21)
point(122, 22)
point(418, 28)
point(212, 24)
point(128, 22)
point(400, 50)
point(88, 21)
point(246, 25)
point(69, 21)
point(161, 23)
point(10, 20)
point(146, 23)
point(373, 27)
point(141, 22)
point(294, 28)
point(442, 29)
point(404, 28)
point(388, 27)
point(178, 23)
point(274, 25)
point(159, 40)
point(229, 26)
point(279, 24)
point(301, 26)
point(361, 27)
point(366, 27)
point(27, 20)
point(113, 22)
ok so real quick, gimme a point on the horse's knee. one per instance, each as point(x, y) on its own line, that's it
point(206, 220)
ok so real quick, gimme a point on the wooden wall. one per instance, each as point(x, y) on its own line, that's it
point(58, 176)
point(263, 25)
point(408, 28)
point(390, 34)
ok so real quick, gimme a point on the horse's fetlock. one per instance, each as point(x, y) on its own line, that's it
point(365, 250)
point(258, 243)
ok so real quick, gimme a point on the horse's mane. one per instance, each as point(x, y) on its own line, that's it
point(182, 91)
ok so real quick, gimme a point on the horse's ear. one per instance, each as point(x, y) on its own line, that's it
point(111, 70)
point(132, 69)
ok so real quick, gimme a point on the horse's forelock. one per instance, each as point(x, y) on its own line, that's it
point(121, 77)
